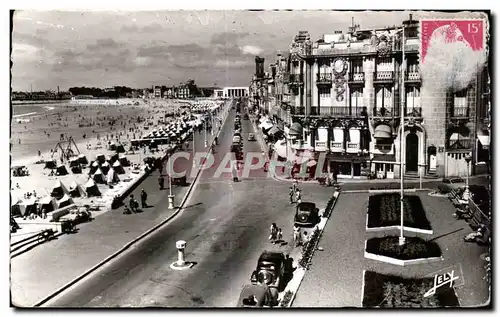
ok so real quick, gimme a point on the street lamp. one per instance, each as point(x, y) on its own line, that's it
point(466, 194)
point(402, 239)
point(170, 196)
point(205, 125)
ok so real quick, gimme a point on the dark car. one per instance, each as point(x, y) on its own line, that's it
point(245, 117)
point(270, 270)
point(237, 150)
point(255, 296)
point(306, 215)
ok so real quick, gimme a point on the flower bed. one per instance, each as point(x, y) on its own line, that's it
point(388, 291)
point(329, 207)
point(308, 250)
point(286, 299)
point(385, 210)
point(414, 248)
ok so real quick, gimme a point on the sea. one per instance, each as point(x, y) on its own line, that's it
point(29, 109)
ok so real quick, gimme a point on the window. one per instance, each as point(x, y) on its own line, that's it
point(384, 98)
point(324, 67)
point(357, 66)
point(460, 99)
point(412, 99)
point(324, 96)
point(356, 100)
point(412, 65)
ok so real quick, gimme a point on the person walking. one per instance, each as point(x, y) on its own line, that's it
point(298, 197)
point(274, 232)
point(144, 197)
point(291, 194)
point(279, 236)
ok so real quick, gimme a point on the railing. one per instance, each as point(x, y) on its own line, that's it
point(478, 216)
point(352, 147)
point(383, 76)
point(358, 77)
point(385, 112)
point(323, 78)
point(336, 146)
point(296, 78)
point(413, 111)
point(297, 111)
point(460, 112)
point(460, 144)
point(338, 111)
point(412, 76)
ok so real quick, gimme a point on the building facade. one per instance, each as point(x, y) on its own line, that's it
point(343, 94)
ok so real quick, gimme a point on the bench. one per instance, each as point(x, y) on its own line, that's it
point(477, 216)
point(455, 199)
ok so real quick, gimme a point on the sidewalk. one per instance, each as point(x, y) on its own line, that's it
point(64, 259)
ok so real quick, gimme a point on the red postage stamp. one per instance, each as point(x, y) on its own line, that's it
point(467, 32)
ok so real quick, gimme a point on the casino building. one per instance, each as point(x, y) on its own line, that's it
point(342, 95)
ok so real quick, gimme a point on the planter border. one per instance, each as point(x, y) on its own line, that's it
point(410, 229)
point(387, 259)
point(381, 191)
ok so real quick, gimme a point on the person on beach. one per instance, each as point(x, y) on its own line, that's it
point(279, 236)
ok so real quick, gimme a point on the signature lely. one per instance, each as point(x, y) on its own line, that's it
point(441, 280)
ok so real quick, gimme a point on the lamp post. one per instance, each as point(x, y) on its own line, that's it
point(205, 125)
point(466, 194)
point(402, 239)
point(170, 196)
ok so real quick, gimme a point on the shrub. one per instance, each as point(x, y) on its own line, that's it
point(389, 291)
point(414, 248)
point(286, 299)
point(308, 250)
point(385, 210)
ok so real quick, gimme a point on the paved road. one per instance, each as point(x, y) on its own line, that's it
point(226, 229)
point(42, 270)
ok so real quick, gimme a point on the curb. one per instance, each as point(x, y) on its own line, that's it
point(128, 245)
point(398, 227)
point(387, 259)
point(303, 270)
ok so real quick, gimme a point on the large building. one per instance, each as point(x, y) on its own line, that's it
point(342, 96)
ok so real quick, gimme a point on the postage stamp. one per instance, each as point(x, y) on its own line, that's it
point(470, 33)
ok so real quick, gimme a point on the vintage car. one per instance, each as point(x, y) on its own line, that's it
point(306, 219)
point(254, 296)
point(245, 117)
point(251, 137)
point(237, 139)
point(270, 270)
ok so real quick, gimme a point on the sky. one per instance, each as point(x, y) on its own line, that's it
point(141, 49)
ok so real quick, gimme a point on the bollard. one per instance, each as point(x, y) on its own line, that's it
point(181, 263)
point(206, 143)
point(171, 201)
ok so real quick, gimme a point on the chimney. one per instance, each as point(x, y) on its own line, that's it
point(411, 17)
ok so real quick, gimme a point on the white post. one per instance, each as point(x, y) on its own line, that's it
point(170, 196)
point(403, 68)
point(181, 246)
point(205, 125)
point(466, 194)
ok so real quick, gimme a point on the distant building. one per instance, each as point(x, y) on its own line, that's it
point(219, 93)
point(157, 92)
point(235, 92)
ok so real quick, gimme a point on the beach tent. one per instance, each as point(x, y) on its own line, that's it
point(27, 206)
point(105, 168)
point(48, 203)
point(15, 209)
point(120, 148)
point(112, 177)
point(82, 159)
point(74, 162)
point(75, 190)
point(123, 160)
point(65, 201)
point(50, 164)
point(98, 177)
point(112, 146)
point(93, 168)
point(100, 158)
point(61, 170)
point(58, 190)
point(113, 158)
point(91, 189)
point(118, 168)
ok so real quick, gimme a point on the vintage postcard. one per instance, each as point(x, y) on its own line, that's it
point(281, 158)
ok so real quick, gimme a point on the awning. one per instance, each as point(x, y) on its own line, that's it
point(454, 137)
point(354, 135)
point(322, 134)
point(484, 139)
point(338, 135)
point(383, 131)
point(265, 125)
point(296, 129)
point(383, 158)
point(273, 130)
point(280, 148)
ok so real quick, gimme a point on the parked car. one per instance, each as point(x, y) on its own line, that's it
point(237, 139)
point(270, 270)
point(251, 137)
point(245, 117)
point(456, 182)
point(254, 296)
point(306, 214)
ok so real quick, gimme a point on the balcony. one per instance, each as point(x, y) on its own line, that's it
point(352, 147)
point(356, 78)
point(338, 112)
point(413, 112)
point(385, 112)
point(297, 111)
point(337, 147)
point(324, 79)
point(460, 112)
point(460, 144)
point(383, 77)
point(296, 79)
point(321, 146)
point(382, 148)
point(412, 77)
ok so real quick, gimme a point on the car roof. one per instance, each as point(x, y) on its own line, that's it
point(306, 205)
point(270, 256)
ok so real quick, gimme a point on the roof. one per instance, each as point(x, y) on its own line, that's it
point(271, 256)
point(306, 205)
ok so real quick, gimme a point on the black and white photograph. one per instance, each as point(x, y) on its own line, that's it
point(250, 158)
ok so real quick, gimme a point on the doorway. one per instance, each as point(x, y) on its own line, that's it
point(412, 152)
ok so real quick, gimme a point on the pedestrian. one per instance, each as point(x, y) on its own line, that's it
point(298, 198)
point(279, 235)
point(161, 182)
point(274, 232)
point(291, 195)
point(132, 204)
point(144, 197)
